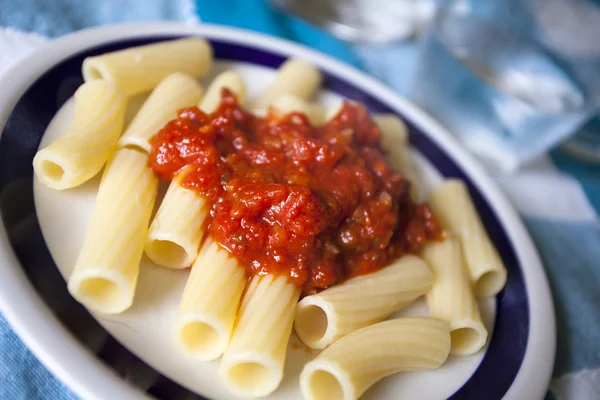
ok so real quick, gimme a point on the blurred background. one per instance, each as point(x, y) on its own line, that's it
point(517, 82)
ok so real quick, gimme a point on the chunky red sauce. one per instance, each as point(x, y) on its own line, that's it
point(318, 204)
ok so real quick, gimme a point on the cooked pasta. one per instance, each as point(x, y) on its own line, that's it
point(323, 318)
point(288, 103)
point(175, 92)
point(86, 146)
point(230, 80)
point(331, 112)
point(177, 228)
point(451, 298)
point(451, 203)
point(347, 368)
point(106, 271)
point(252, 365)
point(295, 77)
point(265, 210)
point(394, 138)
point(395, 133)
point(210, 302)
point(139, 69)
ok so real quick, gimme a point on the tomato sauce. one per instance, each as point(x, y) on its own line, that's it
point(317, 204)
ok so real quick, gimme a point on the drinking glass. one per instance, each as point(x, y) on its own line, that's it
point(511, 78)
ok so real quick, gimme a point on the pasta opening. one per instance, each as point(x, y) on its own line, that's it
point(325, 386)
point(489, 284)
point(463, 340)
point(104, 293)
point(52, 171)
point(198, 337)
point(311, 323)
point(168, 254)
point(251, 377)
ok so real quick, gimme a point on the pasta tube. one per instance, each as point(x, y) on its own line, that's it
point(230, 80)
point(209, 304)
point(451, 203)
point(139, 69)
point(451, 298)
point(332, 112)
point(323, 318)
point(288, 103)
point(347, 368)
point(393, 129)
point(178, 227)
point(295, 77)
point(84, 149)
point(175, 92)
point(394, 138)
point(106, 271)
point(176, 232)
point(252, 365)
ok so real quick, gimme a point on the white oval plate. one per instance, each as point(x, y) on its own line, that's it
point(516, 363)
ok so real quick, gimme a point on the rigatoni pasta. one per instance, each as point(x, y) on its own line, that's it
point(295, 77)
point(347, 368)
point(288, 103)
point(230, 80)
point(106, 271)
point(209, 303)
point(394, 138)
point(323, 318)
point(175, 92)
point(86, 146)
point(178, 227)
point(451, 298)
point(252, 365)
point(452, 204)
point(285, 221)
point(394, 132)
point(141, 68)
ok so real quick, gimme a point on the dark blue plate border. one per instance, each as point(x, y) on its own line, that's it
point(20, 139)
